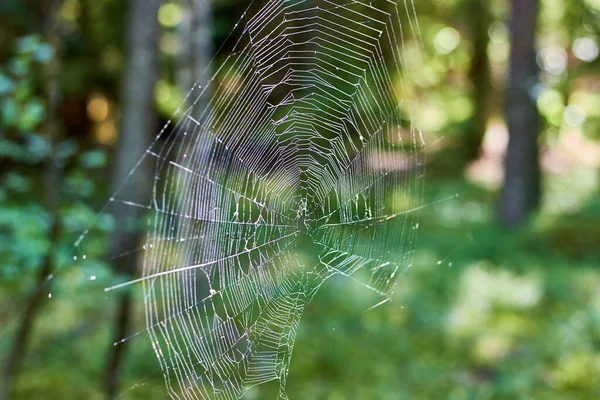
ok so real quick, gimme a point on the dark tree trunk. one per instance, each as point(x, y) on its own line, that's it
point(479, 74)
point(521, 192)
point(138, 127)
point(53, 178)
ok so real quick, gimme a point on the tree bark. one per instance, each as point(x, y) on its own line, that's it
point(197, 46)
point(521, 192)
point(137, 128)
point(479, 74)
point(53, 178)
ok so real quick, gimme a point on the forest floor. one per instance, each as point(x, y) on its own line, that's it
point(483, 313)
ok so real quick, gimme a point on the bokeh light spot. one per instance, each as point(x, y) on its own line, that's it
point(98, 108)
point(106, 132)
point(585, 49)
point(170, 15)
point(446, 40)
point(552, 59)
point(574, 115)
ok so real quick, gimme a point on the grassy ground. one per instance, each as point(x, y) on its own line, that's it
point(482, 314)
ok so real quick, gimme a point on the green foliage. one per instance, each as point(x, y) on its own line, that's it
point(23, 239)
point(481, 314)
point(22, 109)
point(24, 220)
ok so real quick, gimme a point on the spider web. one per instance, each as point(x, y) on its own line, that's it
point(277, 177)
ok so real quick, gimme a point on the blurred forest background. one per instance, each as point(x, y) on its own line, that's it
point(503, 300)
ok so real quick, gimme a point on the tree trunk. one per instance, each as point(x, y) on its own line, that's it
point(137, 128)
point(479, 74)
point(521, 192)
point(197, 47)
point(52, 179)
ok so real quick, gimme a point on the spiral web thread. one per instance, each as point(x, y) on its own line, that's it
point(280, 180)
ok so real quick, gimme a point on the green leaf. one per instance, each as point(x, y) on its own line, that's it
point(19, 66)
point(44, 53)
point(6, 84)
point(32, 115)
point(93, 159)
point(17, 182)
point(27, 44)
point(37, 146)
point(9, 112)
point(12, 150)
point(78, 185)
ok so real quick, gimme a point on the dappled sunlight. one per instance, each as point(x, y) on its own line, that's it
point(488, 169)
point(316, 213)
point(484, 289)
point(579, 149)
